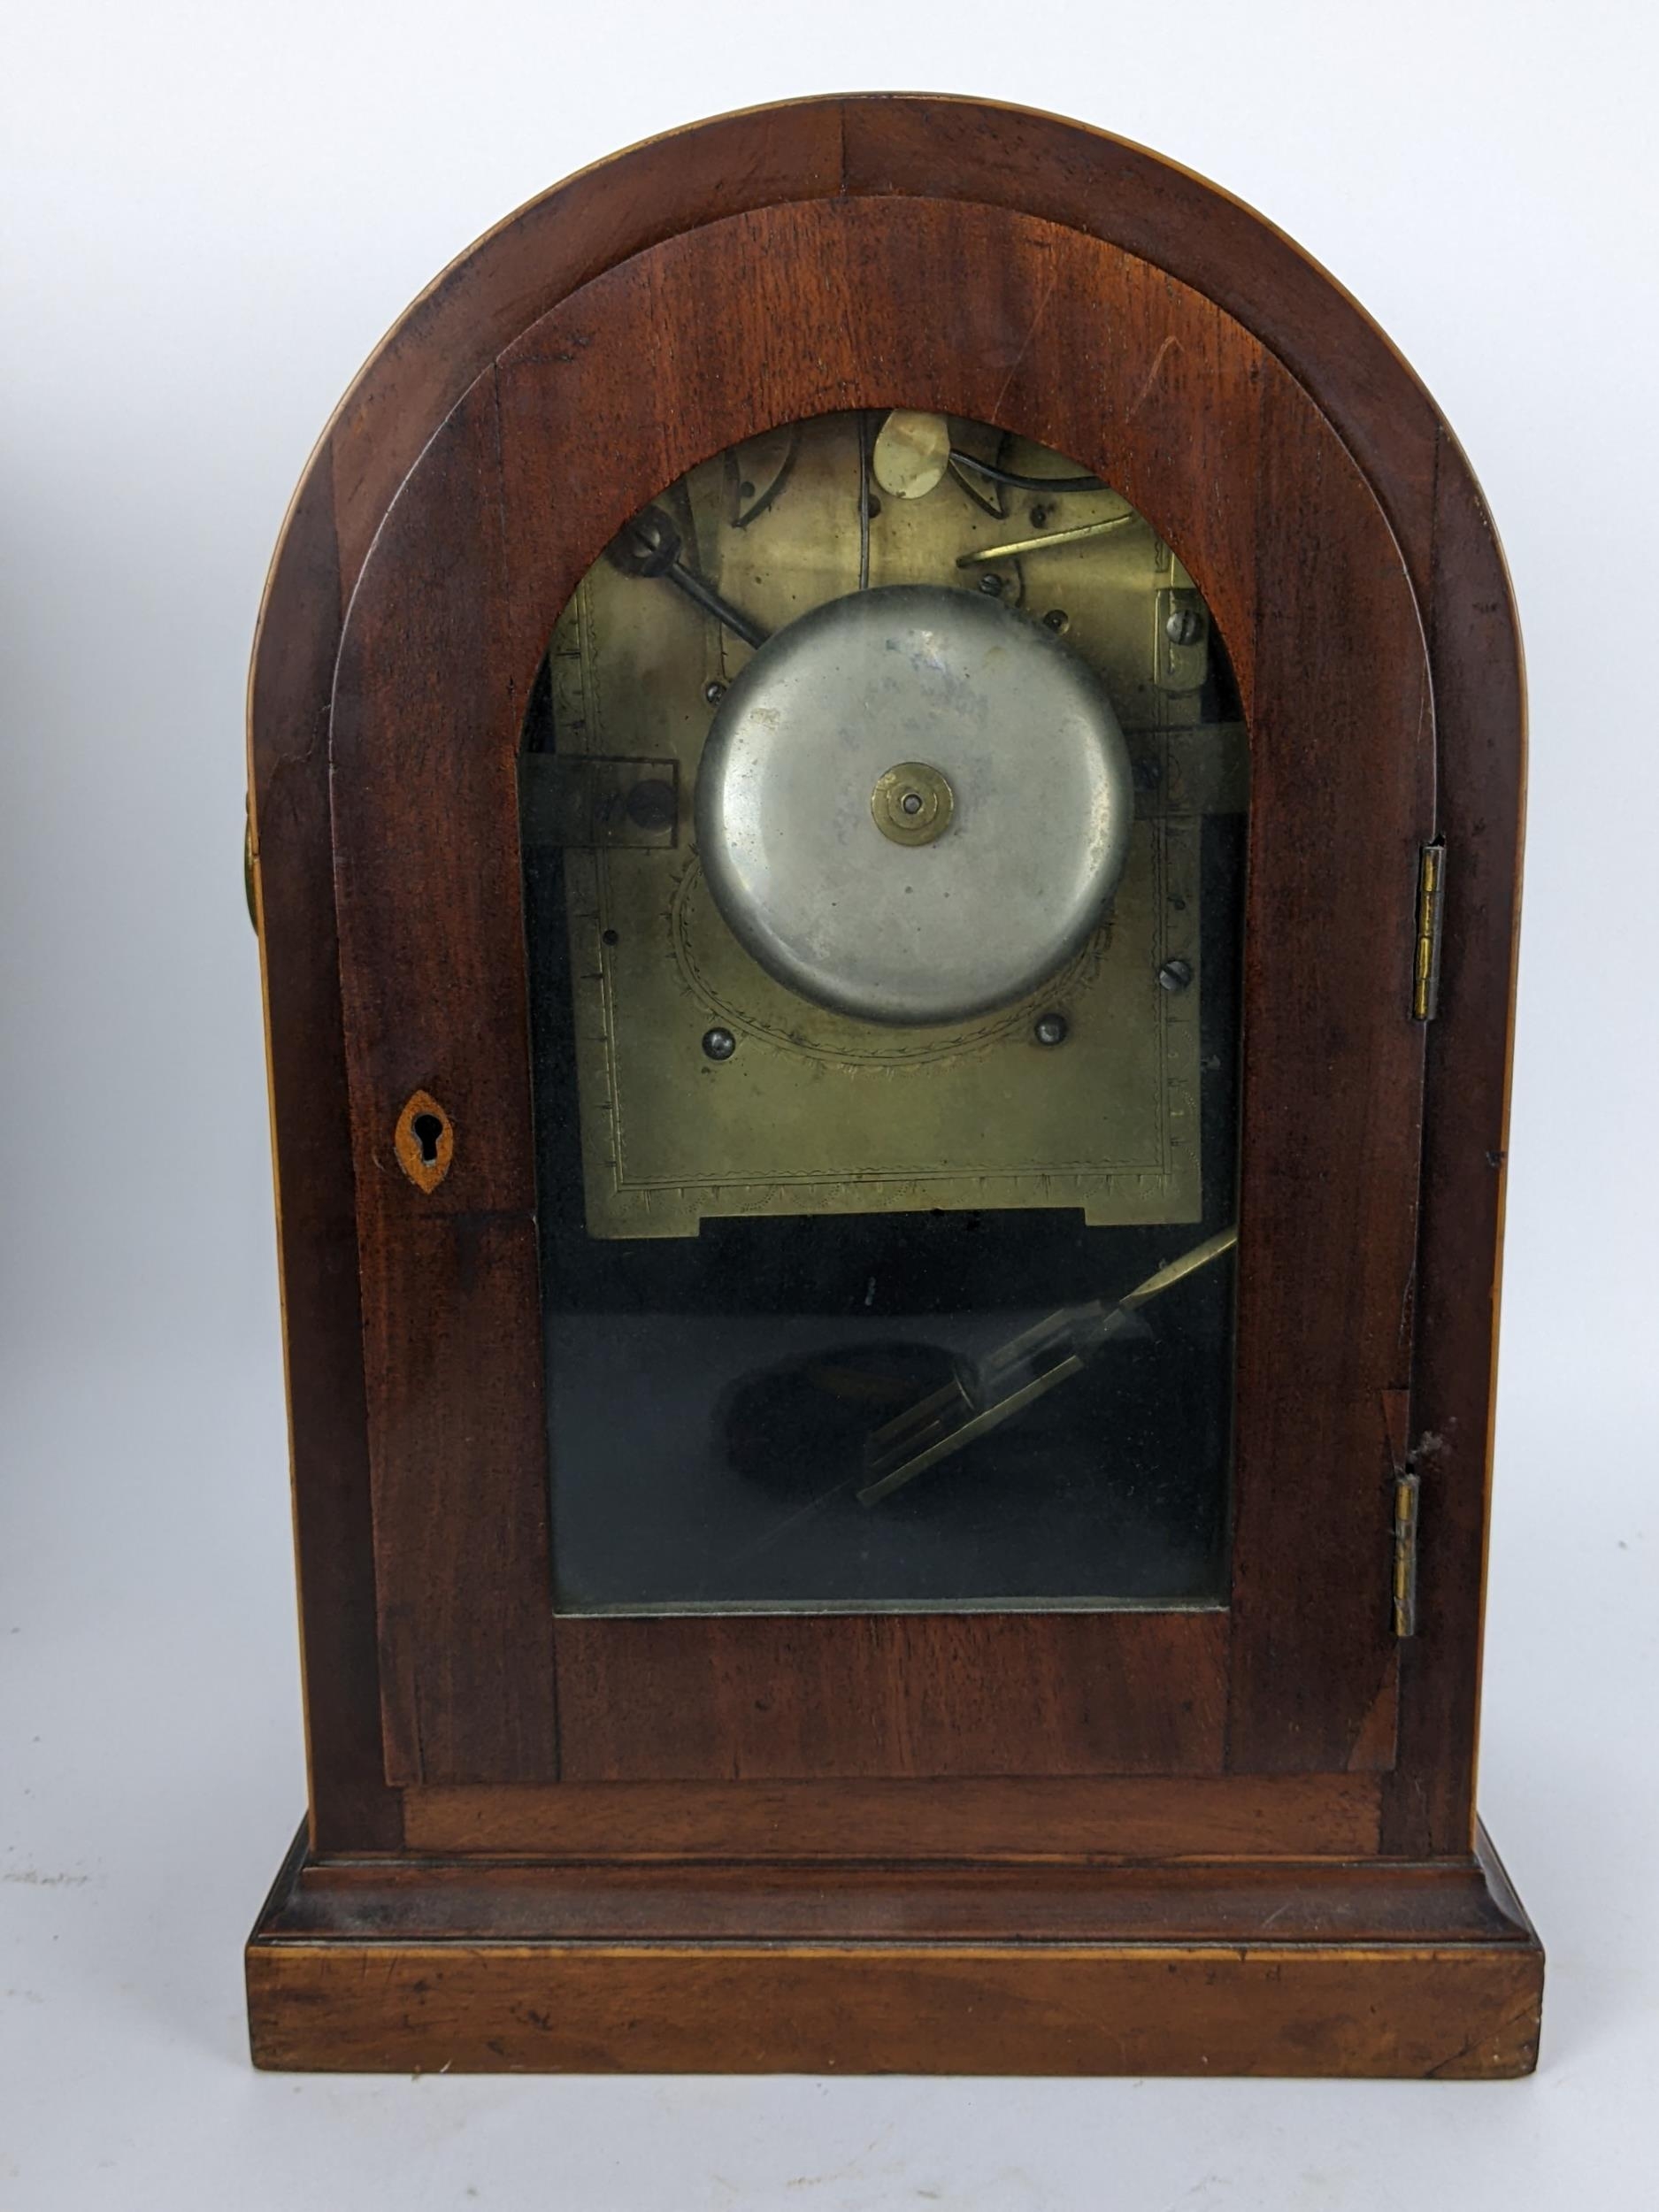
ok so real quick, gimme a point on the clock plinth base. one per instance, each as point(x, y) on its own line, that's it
point(1358, 1968)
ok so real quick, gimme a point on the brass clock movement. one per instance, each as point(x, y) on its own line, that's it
point(888, 933)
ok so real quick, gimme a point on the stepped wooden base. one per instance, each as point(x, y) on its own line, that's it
point(1234, 1966)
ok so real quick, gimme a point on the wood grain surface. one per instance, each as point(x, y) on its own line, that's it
point(1288, 1901)
point(1480, 690)
point(1057, 2009)
point(896, 1694)
point(1027, 1816)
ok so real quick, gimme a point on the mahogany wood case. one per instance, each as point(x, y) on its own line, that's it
point(1236, 1839)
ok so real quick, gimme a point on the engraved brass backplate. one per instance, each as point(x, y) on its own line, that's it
point(816, 1112)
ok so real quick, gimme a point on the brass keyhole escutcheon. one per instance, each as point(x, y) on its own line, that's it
point(912, 803)
point(424, 1142)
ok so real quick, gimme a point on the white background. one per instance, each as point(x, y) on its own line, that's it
point(213, 211)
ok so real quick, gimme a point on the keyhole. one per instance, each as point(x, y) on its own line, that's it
point(423, 1141)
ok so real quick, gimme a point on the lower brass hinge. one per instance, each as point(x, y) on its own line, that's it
point(1425, 978)
point(1407, 1498)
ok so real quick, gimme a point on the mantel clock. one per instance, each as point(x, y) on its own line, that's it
point(886, 764)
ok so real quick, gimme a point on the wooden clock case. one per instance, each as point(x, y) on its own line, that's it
point(1241, 1838)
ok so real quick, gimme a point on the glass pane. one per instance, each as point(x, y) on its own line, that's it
point(883, 801)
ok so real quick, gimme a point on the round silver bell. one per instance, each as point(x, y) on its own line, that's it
point(914, 804)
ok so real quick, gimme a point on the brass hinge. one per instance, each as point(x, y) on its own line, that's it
point(1425, 979)
point(1407, 1497)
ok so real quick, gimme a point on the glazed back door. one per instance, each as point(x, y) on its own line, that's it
point(900, 829)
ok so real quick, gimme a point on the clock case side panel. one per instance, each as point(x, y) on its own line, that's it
point(351, 1805)
point(1109, 190)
